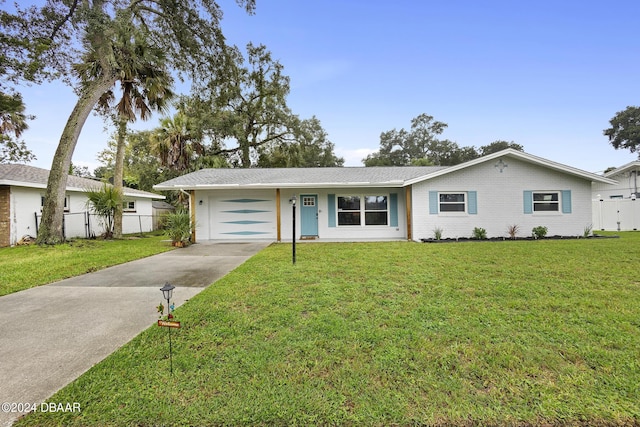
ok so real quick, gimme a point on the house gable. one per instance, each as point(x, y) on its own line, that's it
point(485, 196)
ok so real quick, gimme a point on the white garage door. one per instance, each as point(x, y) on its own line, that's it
point(248, 216)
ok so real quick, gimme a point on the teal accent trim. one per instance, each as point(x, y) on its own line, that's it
point(433, 202)
point(472, 202)
point(566, 201)
point(246, 211)
point(246, 222)
point(527, 199)
point(331, 207)
point(245, 200)
point(246, 233)
point(393, 209)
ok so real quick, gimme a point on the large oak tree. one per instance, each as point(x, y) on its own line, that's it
point(625, 130)
point(60, 32)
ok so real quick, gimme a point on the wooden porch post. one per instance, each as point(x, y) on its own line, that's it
point(278, 220)
point(409, 214)
point(192, 209)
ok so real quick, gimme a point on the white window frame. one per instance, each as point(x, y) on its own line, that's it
point(558, 203)
point(362, 211)
point(67, 203)
point(126, 206)
point(465, 202)
point(309, 201)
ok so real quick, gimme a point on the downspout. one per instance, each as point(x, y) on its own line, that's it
point(192, 212)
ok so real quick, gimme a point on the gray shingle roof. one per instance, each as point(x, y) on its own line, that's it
point(350, 176)
point(298, 177)
point(30, 176)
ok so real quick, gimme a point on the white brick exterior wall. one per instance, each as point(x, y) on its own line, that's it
point(500, 201)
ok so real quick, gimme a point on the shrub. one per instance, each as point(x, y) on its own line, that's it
point(178, 227)
point(587, 230)
point(104, 202)
point(539, 232)
point(513, 230)
point(479, 233)
point(437, 233)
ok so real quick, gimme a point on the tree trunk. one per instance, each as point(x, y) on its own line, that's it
point(245, 152)
point(118, 175)
point(50, 230)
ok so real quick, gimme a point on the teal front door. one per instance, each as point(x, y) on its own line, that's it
point(309, 215)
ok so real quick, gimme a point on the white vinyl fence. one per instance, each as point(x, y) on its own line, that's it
point(616, 214)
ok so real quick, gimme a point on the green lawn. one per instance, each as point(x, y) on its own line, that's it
point(498, 333)
point(24, 267)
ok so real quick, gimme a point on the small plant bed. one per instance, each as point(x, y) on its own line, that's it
point(511, 239)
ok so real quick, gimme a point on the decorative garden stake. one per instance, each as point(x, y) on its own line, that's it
point(167, 292)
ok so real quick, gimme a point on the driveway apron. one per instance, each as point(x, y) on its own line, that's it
point(50, 335)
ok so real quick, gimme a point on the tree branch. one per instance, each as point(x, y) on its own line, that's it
point(66, 18)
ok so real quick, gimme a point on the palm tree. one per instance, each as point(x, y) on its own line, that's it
point(175, 142)
point(145, 85)
point(13, 121)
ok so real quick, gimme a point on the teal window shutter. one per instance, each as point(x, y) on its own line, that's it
point(528, 201)
point(433, 202)
point(331, 203)
point(566, 201)
point(472, 202)
point(393, 209)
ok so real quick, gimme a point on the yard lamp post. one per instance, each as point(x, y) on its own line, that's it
point(600, 211)
point(633, 211)
point(167, 292)
point(292, 200)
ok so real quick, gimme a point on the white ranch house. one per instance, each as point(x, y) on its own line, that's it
point(615, 207)
point(381, 203)
point(22, 191)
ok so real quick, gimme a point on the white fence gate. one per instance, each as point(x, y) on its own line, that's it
point(616, 214)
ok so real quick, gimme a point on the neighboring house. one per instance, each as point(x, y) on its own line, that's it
point(378, 203)
point(22, 191)
point(615, 206)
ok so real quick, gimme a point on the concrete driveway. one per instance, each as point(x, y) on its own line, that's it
point(51, 334)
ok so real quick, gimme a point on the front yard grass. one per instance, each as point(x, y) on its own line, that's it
point(24, 267)
point(478, 333)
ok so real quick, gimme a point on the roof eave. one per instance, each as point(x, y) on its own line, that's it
point(273, 186)
point(39, 186)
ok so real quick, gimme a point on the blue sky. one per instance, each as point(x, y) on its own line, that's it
point(548, 75)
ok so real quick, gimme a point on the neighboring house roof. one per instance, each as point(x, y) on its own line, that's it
point(379, 176)
point(631, 166)
point(160, 204)
point(33, 177)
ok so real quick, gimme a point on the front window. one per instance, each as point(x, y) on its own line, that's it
point(452, 202)
point(348, 210)
point(546, 202)
point(373, 208)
